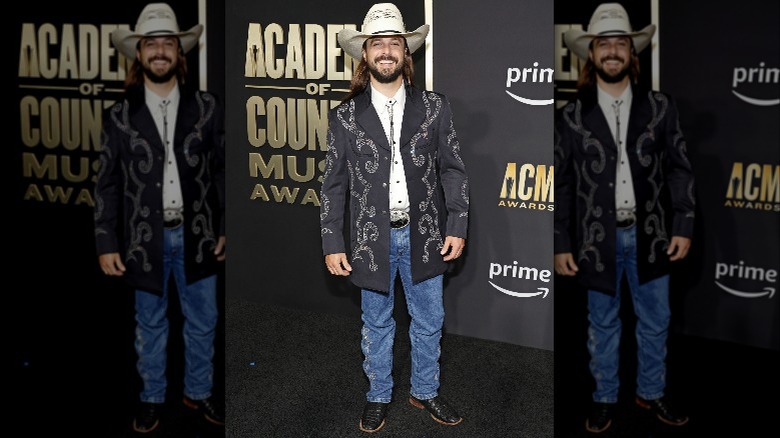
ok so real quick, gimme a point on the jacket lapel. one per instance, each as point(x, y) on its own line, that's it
point(640, 115)
point(414, 114)
point(368, 119)
point(186, 117)
point(144, 123)
point(593, 117)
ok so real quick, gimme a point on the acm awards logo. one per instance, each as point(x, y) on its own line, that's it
point(526, 75)
point(760, 83)
point(528, 186)
point(754, 186)
point(740, 280)
point(504, 272)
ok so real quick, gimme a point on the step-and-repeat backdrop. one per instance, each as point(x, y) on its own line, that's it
point(721, 65)
point(284, 70)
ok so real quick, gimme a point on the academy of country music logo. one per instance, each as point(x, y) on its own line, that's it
point(756, 85)
point(746, 281)
point(522, 80)
point(527, 186)
point(503, 274)
point(754, 186)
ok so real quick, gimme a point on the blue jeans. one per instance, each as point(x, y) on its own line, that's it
point(651, 306)
point(426, 308)
point(199, 306)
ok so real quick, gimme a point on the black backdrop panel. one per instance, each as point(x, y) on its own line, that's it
point(722, 66)
point(504, 287)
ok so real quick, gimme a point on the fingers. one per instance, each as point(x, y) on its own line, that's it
point(678, 248)
point(565, 265)
point(219, 249)
point(337, 264)
point(111, 264)
point(453, 248)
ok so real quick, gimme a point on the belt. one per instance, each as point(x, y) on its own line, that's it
point(399, 218)
point(625, 223)
point(173, 223)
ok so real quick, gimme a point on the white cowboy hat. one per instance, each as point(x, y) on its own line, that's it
point(609, 19)
point(157, 19)
point(383, 19)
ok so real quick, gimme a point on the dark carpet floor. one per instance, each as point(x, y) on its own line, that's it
point(727, 389)
point(293, 373)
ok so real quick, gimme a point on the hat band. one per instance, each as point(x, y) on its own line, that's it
point(160, 32)
point(612, 32)
point(385, 31)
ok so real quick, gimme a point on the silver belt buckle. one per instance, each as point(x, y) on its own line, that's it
point(399, 218)
point(175, 222)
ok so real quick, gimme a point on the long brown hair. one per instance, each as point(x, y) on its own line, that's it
point(362, 74)
point(588, 74)
point(135, 76)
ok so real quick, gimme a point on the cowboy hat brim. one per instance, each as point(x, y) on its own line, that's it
point(351, 41)
point(578, 40)
point(126, 41)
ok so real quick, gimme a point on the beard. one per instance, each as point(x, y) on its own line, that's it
point(387, 76)
point(612, 78)
point(159, 78)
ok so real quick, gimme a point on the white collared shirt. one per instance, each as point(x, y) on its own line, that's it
point(173, 203)
point(399, 195)
point(625, 201)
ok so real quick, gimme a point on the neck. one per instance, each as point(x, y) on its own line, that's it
point(614, 89)
point(389, 89)
point(160, 89)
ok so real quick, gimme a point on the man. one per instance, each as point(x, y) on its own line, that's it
point(159, 206)
point(625, 206)
point(394, 156)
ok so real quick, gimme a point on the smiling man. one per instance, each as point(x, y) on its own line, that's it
point(625, 207)
point(159, 207)
point(394, 158)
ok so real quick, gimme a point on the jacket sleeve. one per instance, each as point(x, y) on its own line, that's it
point(335, 188)
point(452, 172)
point(108, 186)
point(218, 132)
point(679, 175)
point(564, 183)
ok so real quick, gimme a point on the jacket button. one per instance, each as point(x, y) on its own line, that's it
point(384, 184)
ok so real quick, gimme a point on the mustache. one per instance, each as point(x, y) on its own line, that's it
point(386, 58)
point(612, 58)
point(160, 58)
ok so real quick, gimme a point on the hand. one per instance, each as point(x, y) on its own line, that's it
point(219, 250)
point(453, 245)
point(111, 264)
point(564, 264)
point(679, 247)
point(337, 264)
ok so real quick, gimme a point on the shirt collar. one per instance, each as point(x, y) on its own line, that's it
point(379, 100)
point(153, 100)
point(606, 99)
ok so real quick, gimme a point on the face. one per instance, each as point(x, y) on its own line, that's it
point(612, 57)
point(159, 57)
point(385, 58)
